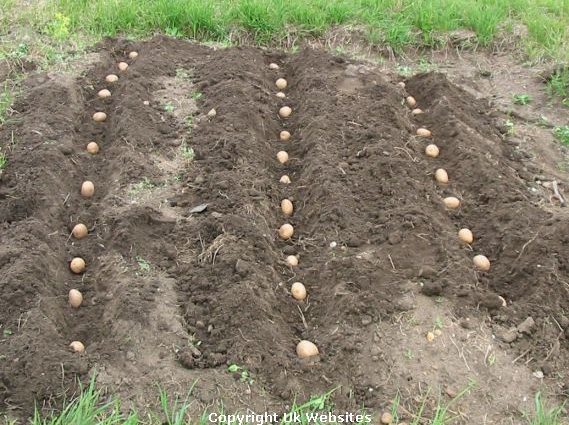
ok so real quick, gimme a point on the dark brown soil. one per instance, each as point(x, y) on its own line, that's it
point(200, 291)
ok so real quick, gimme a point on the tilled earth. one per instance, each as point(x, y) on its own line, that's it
point(172, 295)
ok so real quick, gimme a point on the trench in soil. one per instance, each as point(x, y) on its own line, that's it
point(172, 296)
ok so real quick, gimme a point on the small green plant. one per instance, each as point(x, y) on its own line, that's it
point(439, 323)
point(169, 107)
point(3, 160)
point(143, 264)
point(562, 133)
point(522, 99)
point(187, 152)
point(409, 354)
point(510, 127)
point(141, 186)
point(244, 375)
point(491, 360)
point(6, 100)
point(543, 416)
point(183, 74)
point(197, 95)
point(58, 28)
point(558, 85)
point(7, 332)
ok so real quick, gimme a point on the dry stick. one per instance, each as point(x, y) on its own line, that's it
point(522, 250)
point(302, 316)
point(521, 355)
point(558, 195)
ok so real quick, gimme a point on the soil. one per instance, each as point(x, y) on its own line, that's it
point(172, 297)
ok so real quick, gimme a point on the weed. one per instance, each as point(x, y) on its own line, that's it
point(491, 361)
point(187, 152)
point(3, 160)
point(244, 375)
point(168, 107)
point(438, 323)
point(543, 416)
point(522, 99)
point(7, 332)
point(143, 264)
point(562, 133)
point(409, 354)
point(197, 95)
point(141, 186)
point(58, 28)
point(6, 100)
point(183, 74)
point(510, 127)
point(558, 85)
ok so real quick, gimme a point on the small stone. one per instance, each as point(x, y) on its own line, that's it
point(432, 289)
point(527, 326)
point(508, 336)
point(200, 324)
point(130, 356)
point(146, 103)
point(333, 244)
point(394, 238)
point(199, 179)
point(366, 320)
point(430, 336)
point(538, 374)
point(212, 113)
point(241, 268)
point(451, 392)
point(438, 332)
point(386, 418)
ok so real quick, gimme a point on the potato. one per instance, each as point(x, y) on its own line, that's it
point(305, 349)
point(77, 347)
point(281, 83)
point(280, 95)
point(99, 116)
point(451, 202)
point(123, 66)
point(282, 157)
point(273, 66)
point(432, 150)
point(286, 231)
point(80, 231)
point(298, 291)
point(93, 148)
point(285, 112)
point(411, 102)
point(77, 265)
point(465, 235)
point(481, 262)
point(87, 189)
point(133, 55)
point(292, 260)
point(103, 94)
point(285, 136)
point(423, 132)
point(401, 84)
point(111, 78)
point(75, 298)
point(441, 176)
point(287, 207)
point(285, 179)
point(417, 111)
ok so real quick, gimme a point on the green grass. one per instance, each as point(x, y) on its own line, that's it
point(562, 133)
point(6, 100)
point(544, 415)
point(392, 23)
point(3, 160)
point(92, 407)
point(522, 99)
point(558, 85)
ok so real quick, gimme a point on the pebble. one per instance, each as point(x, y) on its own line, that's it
point(212, 113)
point(386, 418)
point(527, 326)
point(366, 320)
point(509, 336)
